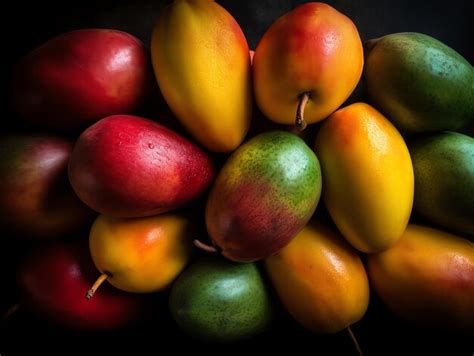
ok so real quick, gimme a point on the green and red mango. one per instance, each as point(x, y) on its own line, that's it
point(264, 195)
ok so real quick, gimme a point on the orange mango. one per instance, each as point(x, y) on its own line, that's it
point(368, 175)
point(201, 61)
point(313, 50)
point(428, 278)
point(141, 255)
point(320, 280)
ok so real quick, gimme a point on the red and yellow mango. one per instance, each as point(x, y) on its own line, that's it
point(428, 278)
point(320, 280)
point(313, 50)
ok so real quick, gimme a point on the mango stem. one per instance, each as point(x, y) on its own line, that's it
point(299, 122)
point(354, 341)
point(204, 247)
point(102, 278)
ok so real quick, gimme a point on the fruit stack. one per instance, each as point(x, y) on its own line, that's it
point(206, 209)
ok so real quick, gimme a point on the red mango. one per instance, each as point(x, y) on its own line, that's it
point(127, 166)
point(80, 77)
point(54, 280)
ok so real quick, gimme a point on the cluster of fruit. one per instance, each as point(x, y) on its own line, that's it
point(134, 172)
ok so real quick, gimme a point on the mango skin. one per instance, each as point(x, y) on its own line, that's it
point(36, 199)
point(320, 280)
point(427, 278)
point(419, 83)
point(368, 176)
point(142, 255)
point(128, 166)
point(201, 61)
point(217, 300)
point(312, 49)
point(80, 77)
point(444, 180)
point(264, 195)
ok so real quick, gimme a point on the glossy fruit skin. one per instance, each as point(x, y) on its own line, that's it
point(263, 196)
point(444, 179)
point(127, 166)
point(419, 83)
point(427, 278)
point(80, 77)
point(142, 255)
point(203, 70)
point(217, 300)
point(320, 280)
point(36, 199)
point(368, 176)
point(54, 280)
point(312, 49)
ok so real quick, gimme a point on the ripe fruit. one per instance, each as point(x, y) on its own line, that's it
point(140, 255)
point(54, 279)
point(427, 278)
point(202, 65)
point(309, 61)
point(264, 195)
point(36, 199)
point(80, 77)
point(127, 166)
point(419, 83)
point(221, 301)
point(320, 280)
point(368, 176)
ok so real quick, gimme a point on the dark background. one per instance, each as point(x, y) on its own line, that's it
point(25, 26)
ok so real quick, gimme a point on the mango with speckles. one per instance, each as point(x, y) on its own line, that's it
point(427, 278)
point(201, 61)
point(443, 164)
point(368, 176)
point(419, 83)
point(264, 195)
point(217, 300)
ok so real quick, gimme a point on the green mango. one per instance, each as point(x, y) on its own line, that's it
point(443, 164)
point(217, 300)
point(263, 196)
point(419, 83)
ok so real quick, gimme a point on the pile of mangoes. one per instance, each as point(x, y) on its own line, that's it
point(203, 205)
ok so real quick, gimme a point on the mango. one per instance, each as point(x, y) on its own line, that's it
point(419, 83)
point(263, 196)
point(128, 166)
point(307, 64)
point(141, 255)
point(320, 280)
point(427, 278)
point(201, 61)
point(221, 301)
point(444, 179)
point(368, 176)
point(36, 199)
point(80, 77)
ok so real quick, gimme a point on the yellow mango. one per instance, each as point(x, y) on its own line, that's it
point(201, 61)
point(368, 176)
point(141, 255)
point(428, 278)
point(320, 280)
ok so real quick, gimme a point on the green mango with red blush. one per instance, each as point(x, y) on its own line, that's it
point(264, 195)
